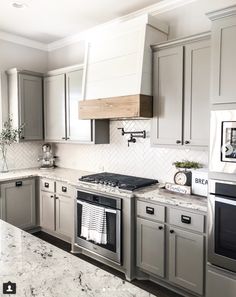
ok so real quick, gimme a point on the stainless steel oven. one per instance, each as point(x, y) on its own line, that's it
point(222, 224)
point(113, 209)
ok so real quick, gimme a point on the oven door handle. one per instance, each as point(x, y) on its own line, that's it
point(106, 209)
point(226, 201)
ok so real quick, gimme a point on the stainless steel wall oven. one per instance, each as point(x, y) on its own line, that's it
point(113, 208)
point(222, 224)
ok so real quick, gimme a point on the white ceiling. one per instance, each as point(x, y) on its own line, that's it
point(50, 20)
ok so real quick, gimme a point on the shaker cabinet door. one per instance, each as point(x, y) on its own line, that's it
point(223, 69)
point(31, 106)
point(54, 108)
point(77, 130)
point(197, 92)
point(18, 203)
point(151, 246)
point(186, 259)
point(64, 215)
point(168, 96)
point(47, 211)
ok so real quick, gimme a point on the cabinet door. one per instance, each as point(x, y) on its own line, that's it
point(54, 107)
point(223, 69)
point(168, 96)
point(197, 92)
point(64, 215)
point(150, 246)
point(31, 106)
point(77, 130)
point(47, 210)
point(186, 259)
point(18, 203)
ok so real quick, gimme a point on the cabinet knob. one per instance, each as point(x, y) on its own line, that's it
point(63, 138)
point(187, 142)
point(52, 196)
point(178, 141)
point(172, 231)
point(22, 137)
point(160, 227)
point(57, 198)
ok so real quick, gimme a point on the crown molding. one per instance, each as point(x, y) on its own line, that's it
point(221, 13)
point(23, 41)
point(153, 10)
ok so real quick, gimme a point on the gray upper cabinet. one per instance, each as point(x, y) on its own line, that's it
point(223, 66)
point(77, 130)
point(151, 246)
point(62, 93)
point(181, 92)
point(186, 259)
point(168, 96)
point(18, 203)
point(25, 91)
point(54, 107)
point(196, 93)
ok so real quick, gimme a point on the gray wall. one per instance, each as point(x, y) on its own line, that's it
point(15, 55)
point(66, 56)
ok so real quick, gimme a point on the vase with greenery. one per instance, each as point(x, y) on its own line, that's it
point(8, 136)
point(187, 165)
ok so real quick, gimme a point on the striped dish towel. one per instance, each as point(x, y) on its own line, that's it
point(94, 224)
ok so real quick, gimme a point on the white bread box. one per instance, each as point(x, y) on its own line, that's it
point(200, 182)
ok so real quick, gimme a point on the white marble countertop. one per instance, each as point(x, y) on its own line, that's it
point(156, 194)
point(40, 269)
point(151, 193)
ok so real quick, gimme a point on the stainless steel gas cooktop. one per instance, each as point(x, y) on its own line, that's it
point(125, 182)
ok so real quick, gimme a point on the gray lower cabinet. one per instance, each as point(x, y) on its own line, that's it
point(186, 259)
point(223, 66)
point(25, 90)
point(56, 208)
point(151, 246)
point(220, 283)
point(181, 92)
point(47, 211)
point(18, 203)
point(64, 215)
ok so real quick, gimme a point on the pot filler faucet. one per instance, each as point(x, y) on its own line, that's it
point(133, 135)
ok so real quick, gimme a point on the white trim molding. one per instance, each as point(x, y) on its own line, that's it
point(23, 41)
point(152, 10)
point(221, 13)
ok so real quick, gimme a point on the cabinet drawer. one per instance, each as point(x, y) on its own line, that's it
point(187, 220)
point(47, 185)
point(151, 211)
point(64, 189)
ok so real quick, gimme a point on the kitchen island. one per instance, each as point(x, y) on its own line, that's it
point(41, 269)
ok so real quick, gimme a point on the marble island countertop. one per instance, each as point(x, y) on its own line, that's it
point(152, 193)
point(40, 269)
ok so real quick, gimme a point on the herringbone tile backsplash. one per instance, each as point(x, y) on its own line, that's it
point(23, 155)
point(139, 159)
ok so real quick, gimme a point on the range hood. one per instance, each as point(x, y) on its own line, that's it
point(133, 106)
point(118, 70)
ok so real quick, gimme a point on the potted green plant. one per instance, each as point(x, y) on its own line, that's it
point(8, 136)
point(187, 165)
